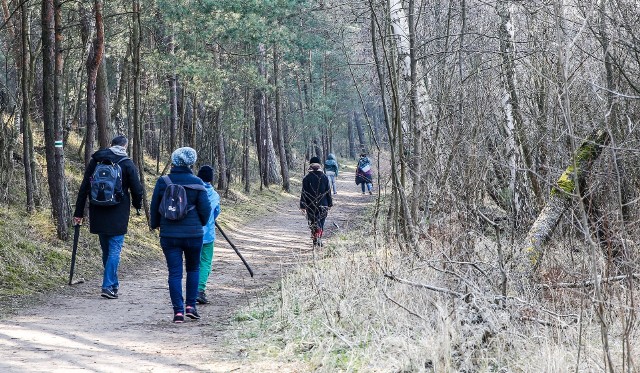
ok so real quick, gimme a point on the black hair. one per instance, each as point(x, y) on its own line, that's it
point(119, 140)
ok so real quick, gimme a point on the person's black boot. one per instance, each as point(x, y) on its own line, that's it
point(202, 298)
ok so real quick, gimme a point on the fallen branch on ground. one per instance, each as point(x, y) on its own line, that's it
point(425, 286)
point(588, 283)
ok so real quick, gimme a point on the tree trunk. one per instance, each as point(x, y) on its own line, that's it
point(122, 88)
point(52, 130)
point(271, 160)
point(221, 154)
point(27, 150)
point(351, 139)
point(259, 110)
point(103, 113)
point(173, 101)
point(362, 143)
point(516, 138)
point(284, 165)
point(559, 200)
point(138, 145)
point(94, 59)
point(245, 142)
point(194, 121)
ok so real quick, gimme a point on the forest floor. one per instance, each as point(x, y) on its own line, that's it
point(75, 329)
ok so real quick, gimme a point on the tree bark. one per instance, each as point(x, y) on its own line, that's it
point(362, 148)
point(138, 145)
point(259, 111)
point(173, 101)
point(517, 148)
point(351, 139)
point(221, 154)
point(93, 63)
point(27, 150)
point(103, 112)
point(284, 166)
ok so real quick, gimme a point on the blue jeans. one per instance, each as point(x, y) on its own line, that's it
point(173, 249)
point(111, 248)
point(369, 186)
point(332, 182)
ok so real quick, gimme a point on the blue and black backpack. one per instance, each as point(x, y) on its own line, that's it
point(106, 183)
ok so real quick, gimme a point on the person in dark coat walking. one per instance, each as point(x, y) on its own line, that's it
point(110, 222)
point(364, 174)
point(182, 237)
point(315, 200)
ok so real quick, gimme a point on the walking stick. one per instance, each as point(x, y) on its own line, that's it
point(235, 249)
point(76, 235)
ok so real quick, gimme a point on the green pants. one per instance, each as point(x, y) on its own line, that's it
point(206, 257)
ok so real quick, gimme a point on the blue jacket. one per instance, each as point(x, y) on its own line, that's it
point(331, 165)
point(210, 228)
point(191, 225)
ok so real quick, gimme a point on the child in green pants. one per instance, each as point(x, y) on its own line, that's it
point(206, 255)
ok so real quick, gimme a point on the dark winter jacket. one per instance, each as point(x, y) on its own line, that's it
point(110, 220)
point(191, 225)
point(315, 191)
point(364, 176)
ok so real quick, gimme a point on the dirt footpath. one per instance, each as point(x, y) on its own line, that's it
point(77, 330)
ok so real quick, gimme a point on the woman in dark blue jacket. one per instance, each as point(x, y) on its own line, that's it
point(182, 237)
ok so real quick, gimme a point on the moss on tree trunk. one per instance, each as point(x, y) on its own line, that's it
point(560, 199)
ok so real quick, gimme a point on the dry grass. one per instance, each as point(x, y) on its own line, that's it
point(342, 314)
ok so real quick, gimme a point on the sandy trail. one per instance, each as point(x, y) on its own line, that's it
point(77, 330)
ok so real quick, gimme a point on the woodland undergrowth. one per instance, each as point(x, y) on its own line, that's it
point(363, 305)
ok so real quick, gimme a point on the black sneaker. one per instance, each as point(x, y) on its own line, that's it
point(202, 298)
point(109, 294)
point(192, 313)
point(178, 318)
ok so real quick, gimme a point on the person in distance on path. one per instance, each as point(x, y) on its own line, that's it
point(364, 174)
point(331, 170)
point(315, 200)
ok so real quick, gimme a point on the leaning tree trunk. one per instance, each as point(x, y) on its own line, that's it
point(52, 130)
point(559, 200)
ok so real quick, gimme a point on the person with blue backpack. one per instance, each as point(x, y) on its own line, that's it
point(180, 208)
point(331, 170)
point(364, 173)
point(205, 173)
point(111, 184)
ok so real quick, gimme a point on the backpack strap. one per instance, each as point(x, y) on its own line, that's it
point(195, 187)
point(167, 180)
point(123, 159)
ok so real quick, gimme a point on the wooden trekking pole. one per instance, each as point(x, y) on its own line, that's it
point(235, 249)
